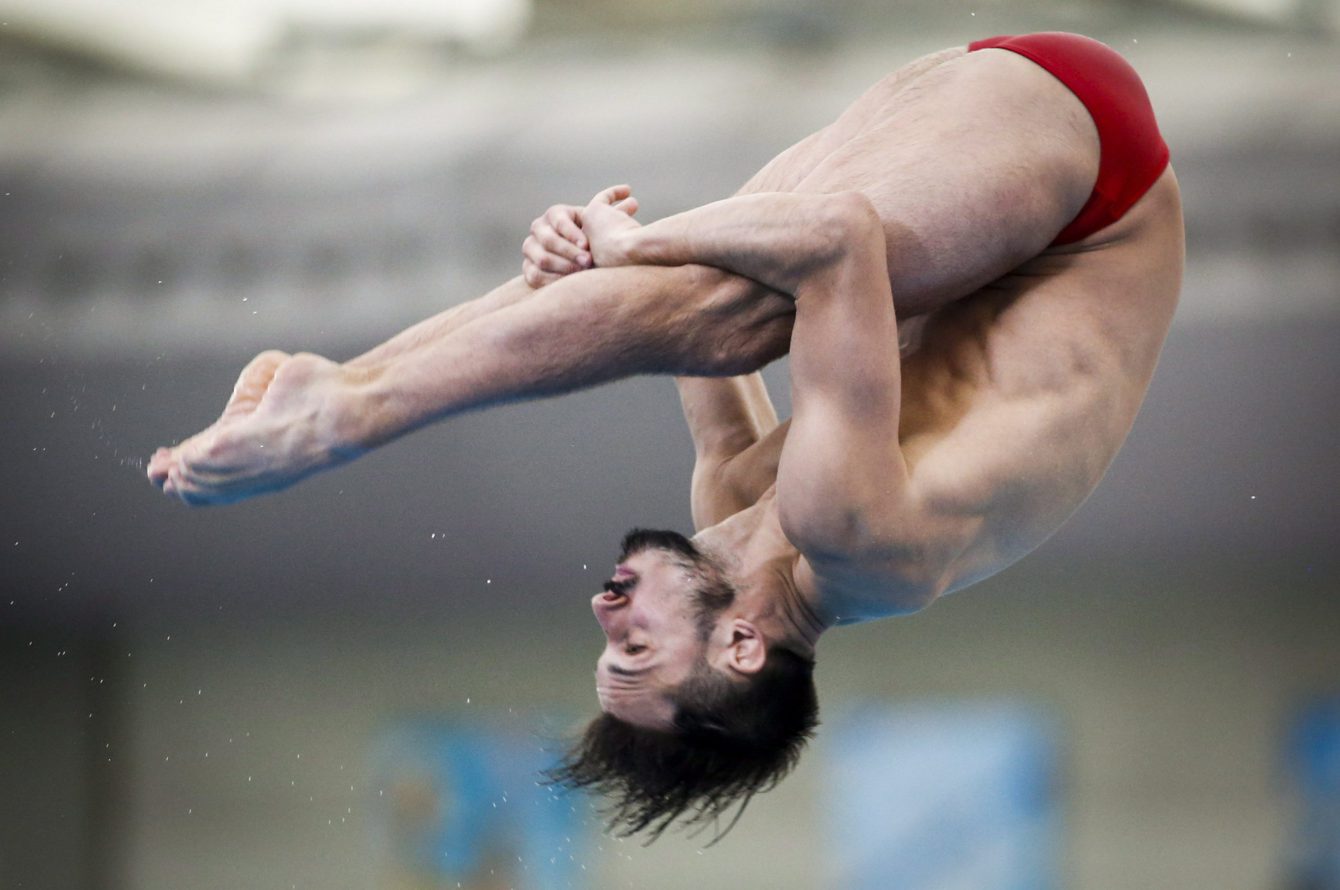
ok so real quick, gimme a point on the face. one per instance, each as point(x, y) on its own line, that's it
point(652, 639)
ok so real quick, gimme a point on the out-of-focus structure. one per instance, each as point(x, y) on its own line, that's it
point(247, 42)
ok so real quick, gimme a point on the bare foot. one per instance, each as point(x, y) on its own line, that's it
point(289, 416)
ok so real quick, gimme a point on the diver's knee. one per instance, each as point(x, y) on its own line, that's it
point(735, 324)
point(847, 223)
point(748, 325)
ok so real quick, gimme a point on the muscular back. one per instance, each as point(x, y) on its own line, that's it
point(1013, 405)
point(1021, 394)
point(1030, 361)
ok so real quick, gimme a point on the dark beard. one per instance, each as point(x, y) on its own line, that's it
point(710, 599)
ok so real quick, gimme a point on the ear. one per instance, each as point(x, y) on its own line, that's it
point(747, 650)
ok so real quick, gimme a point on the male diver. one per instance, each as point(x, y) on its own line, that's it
point(1005, 212)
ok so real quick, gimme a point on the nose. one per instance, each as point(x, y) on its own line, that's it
point(607, 606)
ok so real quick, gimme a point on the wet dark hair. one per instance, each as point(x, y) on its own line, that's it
point(731, 741)
point(731, 738)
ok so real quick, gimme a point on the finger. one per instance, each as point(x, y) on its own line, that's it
point(530, 250)
point(535, 277)
point(556, 265)
point(563, 219)
point(551, 242)
point(628, 205)
point(554, 254)
point(567, 225)
point(612, 194)
point(537, 255)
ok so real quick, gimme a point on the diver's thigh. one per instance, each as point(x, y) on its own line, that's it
point(788, 170)
point(974, 168)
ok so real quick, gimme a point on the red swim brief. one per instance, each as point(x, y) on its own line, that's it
point(1132, 153)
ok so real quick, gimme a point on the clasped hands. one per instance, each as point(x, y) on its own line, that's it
point(568, 238)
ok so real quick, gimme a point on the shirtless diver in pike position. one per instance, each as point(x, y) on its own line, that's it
point(1003, 212)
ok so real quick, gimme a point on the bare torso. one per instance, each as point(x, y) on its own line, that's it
point(1082, 323)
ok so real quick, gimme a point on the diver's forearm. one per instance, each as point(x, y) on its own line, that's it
point(772, 238)
point(725, 415)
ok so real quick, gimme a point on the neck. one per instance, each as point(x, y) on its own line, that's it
point(759, 560)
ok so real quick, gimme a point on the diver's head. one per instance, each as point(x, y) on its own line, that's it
point(700, 710)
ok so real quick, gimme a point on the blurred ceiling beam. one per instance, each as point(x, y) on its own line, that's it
point(1302, 15)
point(234, 43)
point(136, 221)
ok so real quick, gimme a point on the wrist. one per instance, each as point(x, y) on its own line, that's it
point(638, 247)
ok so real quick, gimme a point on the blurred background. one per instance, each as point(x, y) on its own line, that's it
point(352, 684)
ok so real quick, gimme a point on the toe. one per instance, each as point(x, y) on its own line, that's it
point(159, 465)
